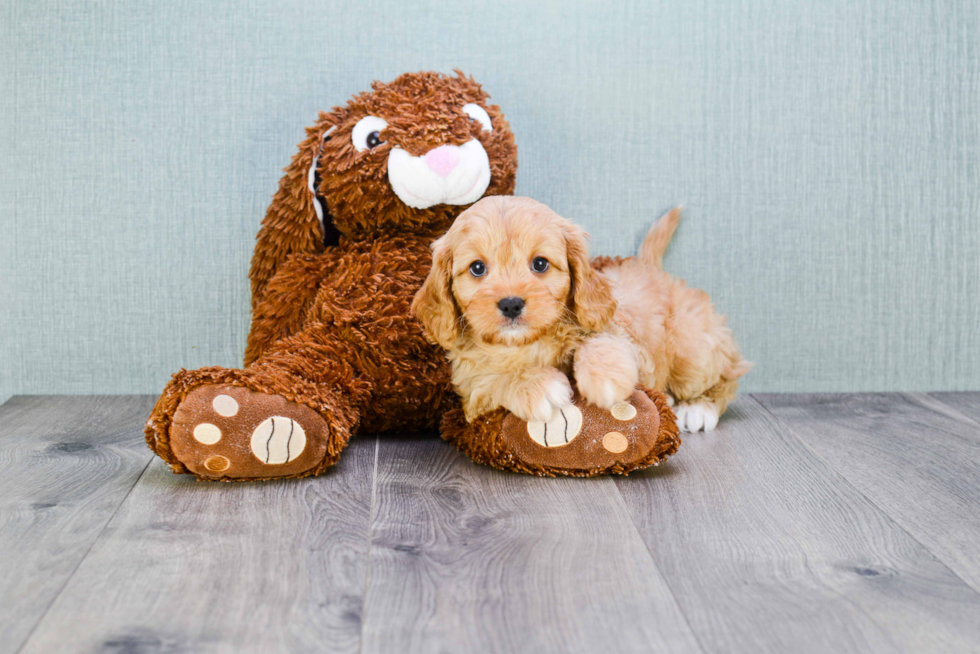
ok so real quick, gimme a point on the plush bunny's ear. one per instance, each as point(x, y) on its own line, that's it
point(297, 221)
point(331, 235)
point(434, 304)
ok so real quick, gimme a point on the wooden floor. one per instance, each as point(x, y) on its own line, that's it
point(823, 523)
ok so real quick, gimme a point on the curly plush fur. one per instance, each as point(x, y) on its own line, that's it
point(484, 440)
point(333, 348)
point(331, 325)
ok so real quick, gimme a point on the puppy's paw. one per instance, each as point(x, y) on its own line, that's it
point(542, 398)
point(606, 371)
point(695, 416)
point(604, 391)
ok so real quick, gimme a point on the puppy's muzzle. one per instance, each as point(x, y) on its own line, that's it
point(511, 307)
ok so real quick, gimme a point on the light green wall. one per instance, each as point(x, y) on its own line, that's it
point(827, 151)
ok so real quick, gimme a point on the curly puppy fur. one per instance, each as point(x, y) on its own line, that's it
point(610, 325)
point(331, 323)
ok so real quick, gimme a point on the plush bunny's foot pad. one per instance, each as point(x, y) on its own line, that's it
point(230, 433)
point(584, 441)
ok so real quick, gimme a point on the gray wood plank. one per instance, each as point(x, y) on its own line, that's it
point(912, 455)
point(66, 465)
point(767, 549)
point(247, 567)
point(466, 558)
point(967, 403)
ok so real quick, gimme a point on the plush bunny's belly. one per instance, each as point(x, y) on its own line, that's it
point(366, 301)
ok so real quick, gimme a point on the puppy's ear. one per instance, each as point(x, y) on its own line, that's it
point(295, 221)
point(591, 298)
point(434, 304)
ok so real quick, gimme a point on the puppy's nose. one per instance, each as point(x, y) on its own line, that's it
point(511, 306)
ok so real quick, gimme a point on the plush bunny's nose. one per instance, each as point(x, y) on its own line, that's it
point(511, 306)
point(442, 160)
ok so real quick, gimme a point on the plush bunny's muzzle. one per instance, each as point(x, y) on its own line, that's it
point(448, 174)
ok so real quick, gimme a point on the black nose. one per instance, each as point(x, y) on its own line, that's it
point(511, 306)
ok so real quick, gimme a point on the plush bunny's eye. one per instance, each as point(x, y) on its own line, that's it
point(479, 114)
point(367, 133)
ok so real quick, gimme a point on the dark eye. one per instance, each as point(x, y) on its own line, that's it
point(478, 269)
point(540, 264)
point(367, 133)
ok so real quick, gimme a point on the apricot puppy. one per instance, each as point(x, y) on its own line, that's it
point(514, 299)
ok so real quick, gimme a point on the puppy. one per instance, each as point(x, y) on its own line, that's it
point(514, 299)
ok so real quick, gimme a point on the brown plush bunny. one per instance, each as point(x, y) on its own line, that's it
point(333, 348)
point(343, 248)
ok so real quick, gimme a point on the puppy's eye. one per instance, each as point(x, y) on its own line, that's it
point(540, 264)
point(367, 133)
point(478, 269)
point(479, 114)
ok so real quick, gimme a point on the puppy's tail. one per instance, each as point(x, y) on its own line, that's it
point(655, 244)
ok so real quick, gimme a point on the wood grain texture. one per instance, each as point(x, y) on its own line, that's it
point(466, 558)
point(194, 566)
point(66, 465)
point(767, 549)
point(967, 403)
point(815, 523)
point(915, 457)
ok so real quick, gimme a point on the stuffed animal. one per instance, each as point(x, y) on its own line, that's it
point(584, 441)
point(333, 348)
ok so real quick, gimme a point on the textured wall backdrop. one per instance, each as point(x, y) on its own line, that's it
point(826, 151)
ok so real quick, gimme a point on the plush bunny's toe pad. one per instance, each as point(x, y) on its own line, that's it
point(582, 441)
point(230, 432)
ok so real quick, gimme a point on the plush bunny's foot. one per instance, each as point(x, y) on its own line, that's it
point(581, 441)
point(226, 432)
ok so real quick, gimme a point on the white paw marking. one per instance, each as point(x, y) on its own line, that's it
point(207, 433)
point(710, 419)
point(544, 412)
point(623, 411)
point(695, 417)
point(278, 440)
point(225, 405)
point(560, 430)
point(557, 396)
point(559, 393)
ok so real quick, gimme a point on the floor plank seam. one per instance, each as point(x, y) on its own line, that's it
point(857, 490)
point(653, 562)
point(95, 541)
point(370, 534)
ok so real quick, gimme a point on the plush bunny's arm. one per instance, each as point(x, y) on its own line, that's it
point(286, 300)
